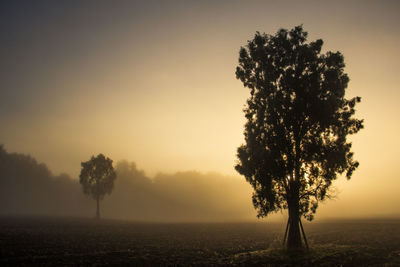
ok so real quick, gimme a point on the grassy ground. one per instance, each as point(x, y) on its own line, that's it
point(67, 241)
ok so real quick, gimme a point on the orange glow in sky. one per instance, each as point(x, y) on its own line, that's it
point(154, 83)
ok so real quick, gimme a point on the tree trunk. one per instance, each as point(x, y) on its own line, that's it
point(98, 209)
point(294, 237)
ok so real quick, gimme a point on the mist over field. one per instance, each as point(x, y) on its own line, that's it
point(29, 188)
point(129, 128)
point(155, 84)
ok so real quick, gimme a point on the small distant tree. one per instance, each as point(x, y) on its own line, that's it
point(298, 120)
point(97, 178)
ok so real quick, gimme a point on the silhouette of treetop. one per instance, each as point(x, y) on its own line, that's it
point(297, 122)
point(97, 178)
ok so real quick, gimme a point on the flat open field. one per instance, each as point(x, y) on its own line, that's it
point(70, 241)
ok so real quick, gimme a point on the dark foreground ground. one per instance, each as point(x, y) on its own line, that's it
point(67, 241)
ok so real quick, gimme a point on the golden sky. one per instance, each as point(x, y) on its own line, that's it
point(154, 82)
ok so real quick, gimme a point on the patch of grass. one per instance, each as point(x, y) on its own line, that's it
point(61, 241)
point(319, 255)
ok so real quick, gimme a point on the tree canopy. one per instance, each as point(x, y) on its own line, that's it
point(298, 121)
point(97, 178)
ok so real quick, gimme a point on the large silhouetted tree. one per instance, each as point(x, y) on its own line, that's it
point(298, 120)
point(97, 178)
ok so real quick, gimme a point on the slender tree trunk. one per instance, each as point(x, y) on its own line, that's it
point(97, 200)
point(294, 236)
point(98, 208)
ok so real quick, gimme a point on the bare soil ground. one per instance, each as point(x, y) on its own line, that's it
point(27, 241)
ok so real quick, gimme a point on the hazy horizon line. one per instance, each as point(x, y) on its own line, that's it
point(115, 162)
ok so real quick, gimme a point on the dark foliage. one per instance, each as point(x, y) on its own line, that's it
point(97, 178)
point(28, 187)
point(298, 120)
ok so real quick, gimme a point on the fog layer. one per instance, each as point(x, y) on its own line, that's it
point(29, 188)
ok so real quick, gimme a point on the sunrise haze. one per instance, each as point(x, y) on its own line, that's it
point(153, 82)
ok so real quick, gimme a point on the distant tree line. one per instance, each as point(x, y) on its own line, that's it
point(29, 188)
